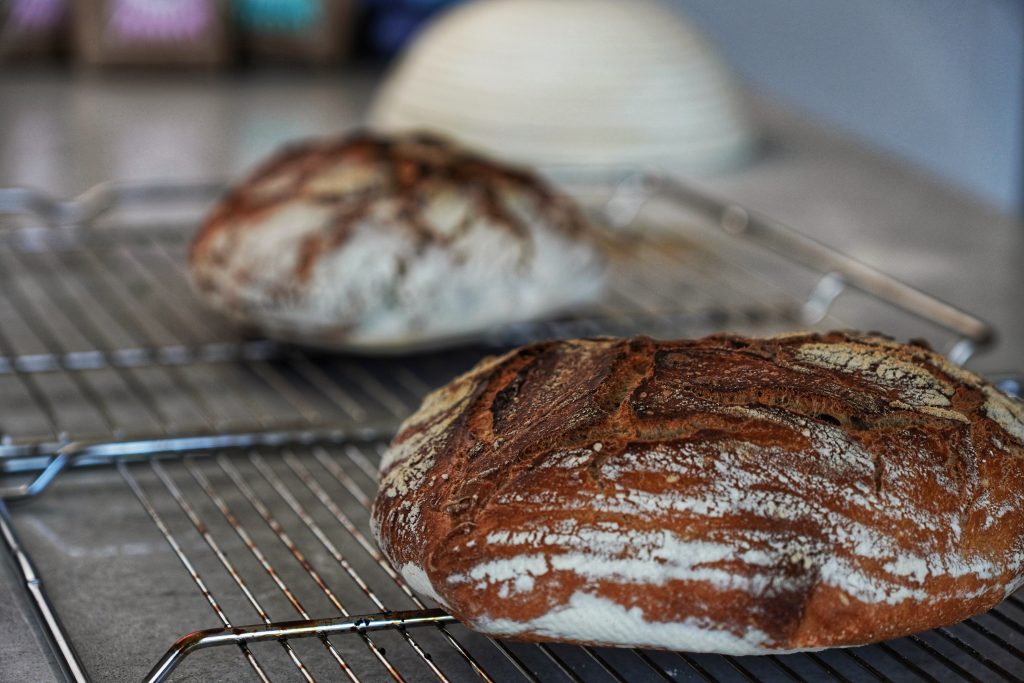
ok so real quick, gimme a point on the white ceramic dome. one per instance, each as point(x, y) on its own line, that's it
point(570, 82)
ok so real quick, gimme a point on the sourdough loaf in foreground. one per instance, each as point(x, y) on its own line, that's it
point(390, 241)
point(725, 495)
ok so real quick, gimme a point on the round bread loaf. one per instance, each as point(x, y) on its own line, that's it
point(727, 495)
point(379, 241)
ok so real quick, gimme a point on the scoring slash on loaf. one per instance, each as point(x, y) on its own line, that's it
point(398, 241)
point(727, 495)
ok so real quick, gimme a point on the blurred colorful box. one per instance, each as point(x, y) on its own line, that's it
point(32, 28)
point(153, 32)
point(309, 31)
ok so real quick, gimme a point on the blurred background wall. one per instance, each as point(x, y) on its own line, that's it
point(938, 82)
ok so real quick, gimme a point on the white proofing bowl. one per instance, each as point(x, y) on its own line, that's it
point(570, 83)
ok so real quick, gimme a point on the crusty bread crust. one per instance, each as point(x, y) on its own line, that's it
point(292, 174)
point(726, 494)
point(384, 239)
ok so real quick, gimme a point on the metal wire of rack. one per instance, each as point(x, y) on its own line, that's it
point(255, 463)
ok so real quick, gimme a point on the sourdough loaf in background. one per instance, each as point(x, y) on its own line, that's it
point(389, 241)
point(727, 495)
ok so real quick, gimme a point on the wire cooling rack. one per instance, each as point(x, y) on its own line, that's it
point(211, 478)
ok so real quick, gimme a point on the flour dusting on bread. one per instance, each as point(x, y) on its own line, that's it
point(374, 240)
point(727, 494)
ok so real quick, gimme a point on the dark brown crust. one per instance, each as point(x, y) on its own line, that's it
point(413, 165)
point(938, 478)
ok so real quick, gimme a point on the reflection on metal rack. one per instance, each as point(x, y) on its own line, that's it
point(106, 359)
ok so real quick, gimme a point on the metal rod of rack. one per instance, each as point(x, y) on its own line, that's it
point(312, 628)
point(109, 451)
point(56, 635)
point(187, 564)
point(307, 520)
point(734, 219)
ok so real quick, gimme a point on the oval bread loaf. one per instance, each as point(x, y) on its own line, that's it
point(392, 241)
point(727, 495)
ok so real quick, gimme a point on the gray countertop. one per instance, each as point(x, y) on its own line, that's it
point(65, 133)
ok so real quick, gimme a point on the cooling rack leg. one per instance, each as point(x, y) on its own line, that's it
point(64, 652)
point(243, 635)
point(172, 658)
